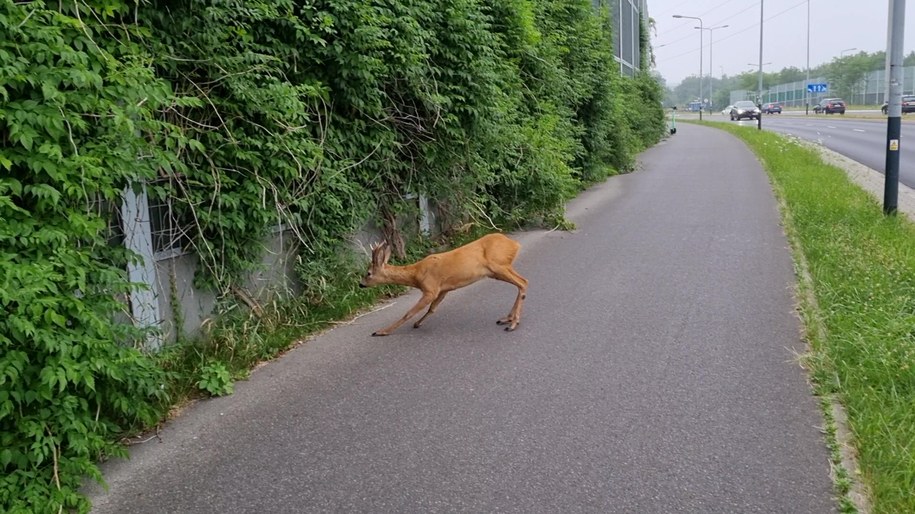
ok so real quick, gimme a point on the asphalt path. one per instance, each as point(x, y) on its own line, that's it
point(654, 370)
point(863, 140)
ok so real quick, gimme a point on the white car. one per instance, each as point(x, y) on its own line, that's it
point(727, 110)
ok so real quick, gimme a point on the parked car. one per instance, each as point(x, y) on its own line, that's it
point(908, 105)
point(772, 108)
point(830, 106)
point(744, 109)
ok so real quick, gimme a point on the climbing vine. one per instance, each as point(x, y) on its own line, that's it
point(78, 124)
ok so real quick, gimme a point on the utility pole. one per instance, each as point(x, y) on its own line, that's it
point(759, 93)
point(701, 30)
point(807, 83)
point(894, 52)
point(711, 84)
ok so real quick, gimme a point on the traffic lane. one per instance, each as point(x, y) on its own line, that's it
point(861, 140)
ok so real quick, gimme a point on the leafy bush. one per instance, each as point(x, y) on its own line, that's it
point(76, 126)
point(216, 379)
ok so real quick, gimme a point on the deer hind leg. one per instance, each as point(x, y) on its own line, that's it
point(426, 299)
point(508, 274)
point(432, 307)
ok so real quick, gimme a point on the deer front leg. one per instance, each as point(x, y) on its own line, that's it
point(426, 299)
point(438, 300)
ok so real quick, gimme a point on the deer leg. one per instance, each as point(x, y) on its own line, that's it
point(438, 300)
point(508, 274)
point(426, 299)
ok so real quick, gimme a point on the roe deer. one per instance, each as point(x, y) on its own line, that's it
point(437, 274)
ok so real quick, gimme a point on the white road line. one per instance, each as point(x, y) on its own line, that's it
point(830, 126)
point(859, 130)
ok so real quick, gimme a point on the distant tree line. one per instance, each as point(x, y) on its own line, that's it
point(843, 73)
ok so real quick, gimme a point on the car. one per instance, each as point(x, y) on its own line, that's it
point(908, 105)
point(727, 110)
point(772, 108)
point(744, 109)
point(830, 106)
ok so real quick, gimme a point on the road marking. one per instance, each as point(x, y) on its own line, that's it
point(859, 130)
point(830, 126)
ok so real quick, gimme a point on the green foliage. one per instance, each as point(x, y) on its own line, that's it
point(216, 379)
point(244, 115)
point(77, 125)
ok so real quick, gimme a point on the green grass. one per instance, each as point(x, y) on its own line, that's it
point(859, 311)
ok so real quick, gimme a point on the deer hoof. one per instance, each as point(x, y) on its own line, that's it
point(378, 334)
point(504, 321)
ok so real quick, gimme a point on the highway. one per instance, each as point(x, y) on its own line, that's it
point(863, 140)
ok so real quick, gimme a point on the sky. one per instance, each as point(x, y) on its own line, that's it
point(837, 27)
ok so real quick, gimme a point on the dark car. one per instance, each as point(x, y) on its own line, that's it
point(744, 109)
point(908, 105)
point(830, 106)
point(772, 108)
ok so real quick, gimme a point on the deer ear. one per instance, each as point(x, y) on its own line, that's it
point(380, 252)
point(387, 252)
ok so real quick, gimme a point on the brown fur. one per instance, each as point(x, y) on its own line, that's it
point(491, 256)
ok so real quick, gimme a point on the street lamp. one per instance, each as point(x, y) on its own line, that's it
point(807, 83)
point(711, 85)
point(842, 53)
point(761, 19)
point(700, 57)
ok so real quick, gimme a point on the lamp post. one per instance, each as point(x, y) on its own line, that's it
point(841, 56)
point(711, 86)
point(894, 57)
point(759, 118)
point(700, 57)
point(807, 83)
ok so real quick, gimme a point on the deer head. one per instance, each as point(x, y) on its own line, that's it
point(381, 252)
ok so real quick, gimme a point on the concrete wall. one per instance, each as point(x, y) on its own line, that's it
point(184, 308)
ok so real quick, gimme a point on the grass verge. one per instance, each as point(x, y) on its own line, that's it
point(859, 308)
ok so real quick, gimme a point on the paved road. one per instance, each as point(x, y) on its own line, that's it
point(654, 371)
point(863, 140)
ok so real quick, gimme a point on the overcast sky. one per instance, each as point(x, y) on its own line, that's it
point(835, 25)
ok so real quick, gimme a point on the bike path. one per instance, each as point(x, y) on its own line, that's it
point(654, 370)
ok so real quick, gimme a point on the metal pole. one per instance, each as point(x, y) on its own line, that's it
point(711, 86)
point(807, 83)
point(759, 95)
point(701, 29)
point(894, 52)
point(711, 66)
point(701, 102)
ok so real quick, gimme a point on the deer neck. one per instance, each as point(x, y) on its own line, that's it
point(401, 275)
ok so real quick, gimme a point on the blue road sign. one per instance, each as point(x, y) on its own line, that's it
point(816, 88)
